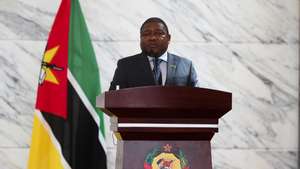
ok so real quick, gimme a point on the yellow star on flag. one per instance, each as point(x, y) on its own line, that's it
point(49, 55)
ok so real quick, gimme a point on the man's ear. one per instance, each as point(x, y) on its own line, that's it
point(169, 38)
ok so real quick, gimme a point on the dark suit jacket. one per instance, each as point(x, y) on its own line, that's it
point(136, 71)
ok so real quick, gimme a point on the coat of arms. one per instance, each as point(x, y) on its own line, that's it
point(166, 157)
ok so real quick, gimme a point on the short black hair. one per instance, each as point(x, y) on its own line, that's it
point(154, 19)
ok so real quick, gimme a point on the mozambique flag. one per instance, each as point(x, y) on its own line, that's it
point(68, 130)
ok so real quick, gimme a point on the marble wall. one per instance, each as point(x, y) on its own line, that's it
point(247, 47)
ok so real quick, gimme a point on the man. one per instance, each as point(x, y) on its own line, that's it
point(154, 66)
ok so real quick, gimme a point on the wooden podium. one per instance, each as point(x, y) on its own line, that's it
point(165, 127)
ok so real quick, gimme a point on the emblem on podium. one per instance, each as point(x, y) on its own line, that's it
point(166, 157)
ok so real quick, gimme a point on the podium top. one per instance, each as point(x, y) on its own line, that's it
point(165, 102)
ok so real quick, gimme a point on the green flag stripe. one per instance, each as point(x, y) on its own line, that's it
point(82, 61)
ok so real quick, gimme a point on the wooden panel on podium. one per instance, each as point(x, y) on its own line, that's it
point(165, 126)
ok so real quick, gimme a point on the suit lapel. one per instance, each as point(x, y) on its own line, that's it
point(171, 69)
point(145, 70)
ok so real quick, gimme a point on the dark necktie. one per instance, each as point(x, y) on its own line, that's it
point(156, 71)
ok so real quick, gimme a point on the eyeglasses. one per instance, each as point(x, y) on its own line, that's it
point(159, 34)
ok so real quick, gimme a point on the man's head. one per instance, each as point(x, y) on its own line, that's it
point(154, 37)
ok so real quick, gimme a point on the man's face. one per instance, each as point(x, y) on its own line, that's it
point(154, 39)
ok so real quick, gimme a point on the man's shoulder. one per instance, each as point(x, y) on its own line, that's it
point(130, 59)
point(180, 58)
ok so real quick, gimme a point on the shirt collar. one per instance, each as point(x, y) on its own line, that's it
point(163, 57)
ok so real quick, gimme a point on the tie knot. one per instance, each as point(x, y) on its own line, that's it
point(157, 61)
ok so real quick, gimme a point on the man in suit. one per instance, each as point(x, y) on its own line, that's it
point(154, 65)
